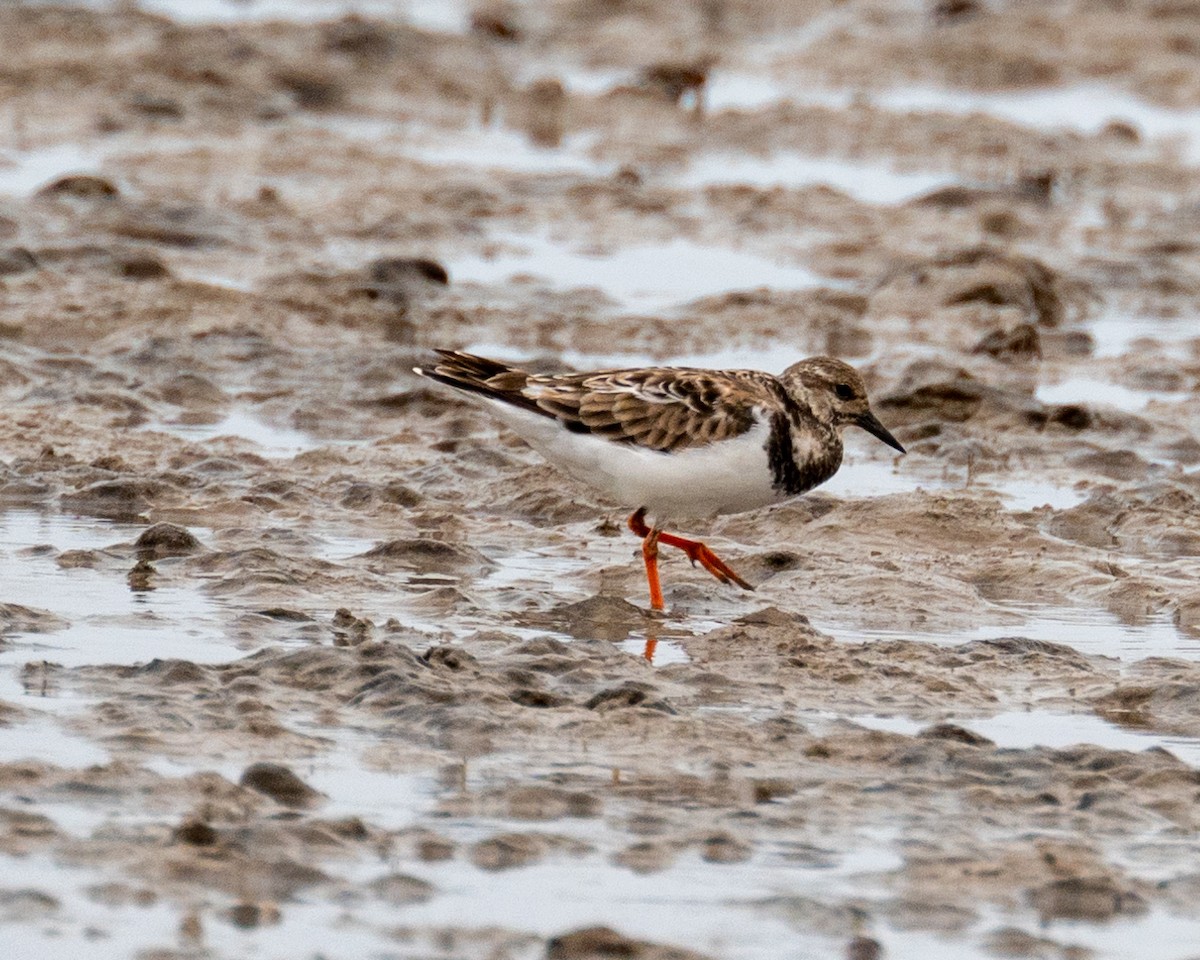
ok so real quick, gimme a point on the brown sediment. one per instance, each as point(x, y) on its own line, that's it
point(377, 631)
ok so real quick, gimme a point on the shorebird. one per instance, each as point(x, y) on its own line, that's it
point(678, 441)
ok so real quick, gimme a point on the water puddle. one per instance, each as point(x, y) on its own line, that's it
point(1086, 108)
point(42, 740)
point(1023, 729)
point(732, 911)
point(863, 477)
point(682, 903)
point(537, 570)
point(269, 440)
point(1088, 630)
point(509, 150)
point(1117, 334)
point(656, 651)
point(1102, 393)
point(575, 78)
point(647, 277)
point(868, 182)
point(524, 574)
point(337, 548)
point(23, 172)
point(107, 622)
point(492, 147)
point(77, 925)
point(39, 694)
point(81, 924)
point(740, 90)
point(434, 15)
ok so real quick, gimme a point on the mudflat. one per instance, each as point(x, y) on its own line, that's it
point(303, 656)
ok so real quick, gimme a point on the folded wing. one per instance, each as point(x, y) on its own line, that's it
point(656, 407)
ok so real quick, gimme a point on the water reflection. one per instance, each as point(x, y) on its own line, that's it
point(657, 649)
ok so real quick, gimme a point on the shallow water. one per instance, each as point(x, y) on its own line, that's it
point(24, 171)
point(1022, 729)
point(864, 476)
point(1085, 107)
point(638, 277)
point(438, 15)
point(107, 621)
point(868, 182)
point(658, 651)
point(1102, 393)
point(1115, 334)
point(738, 910)
point(503, 149)
point(268, 439)
point(680, 903)
point(1089, 630)
point(42, 740)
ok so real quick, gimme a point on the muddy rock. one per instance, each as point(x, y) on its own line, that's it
point(400, 890)
point(864, 948)
point(725, 848)
point(81, 187)
point(629, 694)
point(166, 540)
point(117, 499)
point(506, 851)
point(427, 554)
point(980, 279)
point(248, 916)
point(594, 943)
point(1021, 342)
point(952, 731)
point(1085, 898)
point(280, 784)
point(15, 260)
point(196, 832)
point(600, 617)
point(15, 618)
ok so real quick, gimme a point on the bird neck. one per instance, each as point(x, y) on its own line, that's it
point(802, 452)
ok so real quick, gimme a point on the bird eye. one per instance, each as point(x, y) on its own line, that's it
point(844, 391)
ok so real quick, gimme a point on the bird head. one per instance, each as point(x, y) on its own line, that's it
point(835, 393)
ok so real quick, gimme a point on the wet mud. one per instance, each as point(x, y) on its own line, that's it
point(301, 655)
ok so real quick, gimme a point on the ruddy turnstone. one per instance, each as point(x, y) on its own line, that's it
point(678, 441)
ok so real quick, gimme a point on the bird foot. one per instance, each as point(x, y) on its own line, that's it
point(696, 551)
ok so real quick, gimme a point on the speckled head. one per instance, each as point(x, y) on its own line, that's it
point(835, 393)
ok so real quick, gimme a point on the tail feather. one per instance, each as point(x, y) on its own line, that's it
point(471, 366)
point(493, 379)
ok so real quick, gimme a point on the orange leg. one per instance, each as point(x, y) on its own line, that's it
point(696, 551)
point(650, 555)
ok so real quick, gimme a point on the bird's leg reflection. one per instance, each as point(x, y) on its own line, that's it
point(651, 643)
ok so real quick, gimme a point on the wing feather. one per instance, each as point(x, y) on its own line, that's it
point(659, 408)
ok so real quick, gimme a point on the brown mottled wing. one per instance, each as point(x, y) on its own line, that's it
point(661, 408)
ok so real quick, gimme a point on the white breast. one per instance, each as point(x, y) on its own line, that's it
point(723, 477)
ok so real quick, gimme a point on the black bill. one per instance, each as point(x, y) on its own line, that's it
point(869, 422)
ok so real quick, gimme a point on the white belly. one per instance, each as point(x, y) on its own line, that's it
point(723, 477)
